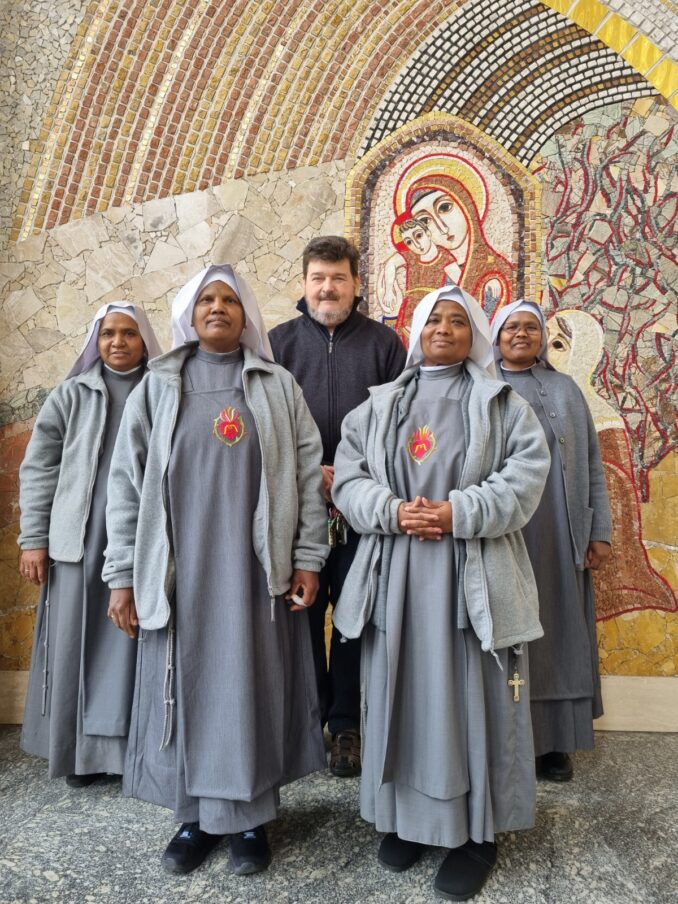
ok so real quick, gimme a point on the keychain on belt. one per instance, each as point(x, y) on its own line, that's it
point(337, 527)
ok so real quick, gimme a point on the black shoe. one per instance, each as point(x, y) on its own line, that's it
point(345, 754)
point(83, 781)
point(250, 852)
point(465, 870)
point(555, 766)
point(188, 848)
point(397, 854)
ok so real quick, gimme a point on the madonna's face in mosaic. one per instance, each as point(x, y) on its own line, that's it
point(443, 217)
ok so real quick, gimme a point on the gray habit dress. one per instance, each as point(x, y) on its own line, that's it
point(246, 719)
point(82, 667)
point(447, 753)
point(564, 676)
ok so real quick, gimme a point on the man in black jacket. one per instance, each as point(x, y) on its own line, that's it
point(335, 353)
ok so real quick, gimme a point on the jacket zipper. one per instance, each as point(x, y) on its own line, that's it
point(332, 391)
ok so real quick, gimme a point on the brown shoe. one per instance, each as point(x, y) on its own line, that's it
point(345, 754)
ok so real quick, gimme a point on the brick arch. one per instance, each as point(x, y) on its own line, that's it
point(166, 98)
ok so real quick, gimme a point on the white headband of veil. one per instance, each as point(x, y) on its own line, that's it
point(90, 350)
point(254, 336)
point(481, 347)
point(503, 315)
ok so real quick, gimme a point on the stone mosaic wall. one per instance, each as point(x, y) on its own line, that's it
point(53, 283)
point(146, 140)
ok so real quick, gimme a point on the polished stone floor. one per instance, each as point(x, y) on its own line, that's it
point(608, 837)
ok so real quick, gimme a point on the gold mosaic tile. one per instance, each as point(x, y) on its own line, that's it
point(616, 32)
point(560, 6)
point(642, 54)
point(665, 78)
point(589, 14)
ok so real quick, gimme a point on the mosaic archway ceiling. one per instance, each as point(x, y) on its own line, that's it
point(164, 98)
point(517, 71)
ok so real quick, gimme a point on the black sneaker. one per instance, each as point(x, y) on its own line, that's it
point(83, 781)
point(188, 848)
point(555, 766)
point(397, 854)
point(465, 870)
point(250, 852)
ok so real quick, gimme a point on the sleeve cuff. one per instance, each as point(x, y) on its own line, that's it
point(120, 583)
point(36, 543)
point(308, 566)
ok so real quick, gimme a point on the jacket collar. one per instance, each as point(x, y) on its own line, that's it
point(92, 377)
point(170, 364)
point(484, 386)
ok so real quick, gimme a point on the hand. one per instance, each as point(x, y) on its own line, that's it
point(425, 519)
point(443, 511)
point(122, 611)
point(33, 565)
point(597, 554)
point(305, 584)
point(328, 480)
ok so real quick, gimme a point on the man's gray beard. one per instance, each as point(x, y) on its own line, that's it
point(329, 318)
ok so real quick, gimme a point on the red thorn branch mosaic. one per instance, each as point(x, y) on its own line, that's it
point(611, 251)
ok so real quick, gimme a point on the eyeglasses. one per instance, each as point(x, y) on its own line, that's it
point(530, 328)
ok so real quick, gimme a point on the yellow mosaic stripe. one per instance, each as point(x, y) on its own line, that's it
point(159, 100)
point(625, 39)
point(253, 106)
point(231, 61)
point(121, 143)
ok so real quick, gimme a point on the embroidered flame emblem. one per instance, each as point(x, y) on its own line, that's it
point(229, 427)
point(421, 445)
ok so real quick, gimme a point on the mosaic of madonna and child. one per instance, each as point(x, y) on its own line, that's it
point(440, 213)
point(450, 222)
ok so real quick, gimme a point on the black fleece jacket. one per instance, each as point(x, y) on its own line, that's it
point(334, 372)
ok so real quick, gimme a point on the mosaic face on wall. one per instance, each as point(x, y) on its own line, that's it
point(455, 209)
point(445, 208)
point(442, 204)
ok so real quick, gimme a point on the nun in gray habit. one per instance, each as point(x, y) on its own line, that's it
point(82, 669)
point(438, 471)
point(567, 537)
point(217, 532)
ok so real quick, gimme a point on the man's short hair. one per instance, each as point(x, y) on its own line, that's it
point(333, 248)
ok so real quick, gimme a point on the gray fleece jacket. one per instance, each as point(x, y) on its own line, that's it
point(505, 469)
point(60, 466)
point(289, 525)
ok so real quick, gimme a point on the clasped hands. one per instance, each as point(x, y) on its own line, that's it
point(425, 518)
